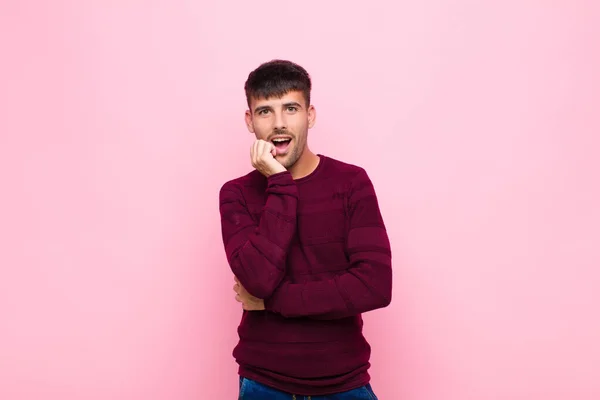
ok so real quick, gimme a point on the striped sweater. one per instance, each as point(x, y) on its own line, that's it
point(317, 251)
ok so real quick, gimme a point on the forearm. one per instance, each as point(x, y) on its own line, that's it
point(364, 287)
point(256, 252)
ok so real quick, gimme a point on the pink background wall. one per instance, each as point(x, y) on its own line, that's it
point(478, 122)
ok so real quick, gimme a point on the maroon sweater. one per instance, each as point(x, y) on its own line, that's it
point(316, 250)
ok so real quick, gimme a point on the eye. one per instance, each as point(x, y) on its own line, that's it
point(263, 112)
point(292, 108)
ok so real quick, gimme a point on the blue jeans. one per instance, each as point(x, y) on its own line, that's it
point(252, 390)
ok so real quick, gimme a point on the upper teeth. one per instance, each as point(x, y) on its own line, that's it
point(280, 140)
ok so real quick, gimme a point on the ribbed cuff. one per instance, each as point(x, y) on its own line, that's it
point(282, 183)
point(280, 177)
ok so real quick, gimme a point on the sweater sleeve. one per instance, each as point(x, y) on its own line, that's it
point(367, 282)
point(256, 251)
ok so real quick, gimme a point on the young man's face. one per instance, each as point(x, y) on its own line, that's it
point(283, 121)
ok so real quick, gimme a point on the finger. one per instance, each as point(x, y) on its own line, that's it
point(238, 298)
point(270, 148)
point(254, 153)
point(236, 288)
point(261, 149)
point(258, 153)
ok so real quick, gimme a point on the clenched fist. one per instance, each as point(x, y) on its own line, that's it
point(262, 156)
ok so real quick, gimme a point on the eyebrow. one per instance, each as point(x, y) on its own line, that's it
point(260, 108)
point(292, 103)
point(285, 105)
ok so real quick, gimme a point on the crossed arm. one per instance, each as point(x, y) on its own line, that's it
point(257, 256)
point(257, 252)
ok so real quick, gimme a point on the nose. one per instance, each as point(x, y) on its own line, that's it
point(280, 121)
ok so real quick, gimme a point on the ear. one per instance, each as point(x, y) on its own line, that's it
point(312, 116)
point(248, 118)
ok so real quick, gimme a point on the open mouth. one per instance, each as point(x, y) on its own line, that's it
point(281, 144)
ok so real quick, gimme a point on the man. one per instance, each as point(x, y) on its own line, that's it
point(305, 239)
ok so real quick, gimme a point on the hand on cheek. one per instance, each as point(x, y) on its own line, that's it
point(262, 157)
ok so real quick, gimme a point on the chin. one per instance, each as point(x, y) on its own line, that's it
point(285, 163)
point(283, 160)
point(288, 159)
point(288, 163)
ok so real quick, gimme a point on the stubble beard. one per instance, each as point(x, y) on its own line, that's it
point(294, 155)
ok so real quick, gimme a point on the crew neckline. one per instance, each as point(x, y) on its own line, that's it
point(322, 159)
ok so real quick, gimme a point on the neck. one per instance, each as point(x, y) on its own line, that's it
point(305, 165)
